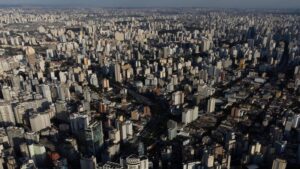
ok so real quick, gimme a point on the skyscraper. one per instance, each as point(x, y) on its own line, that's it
point(93, 138)
point(46, 92)
point(279, 164)
point(39, 121)
point(118, 74)
point(6, 114)
point(172, 129)
point(105, 83)
point(178, 98)
point(38, 153)
point(94, 80)
point(6, 93)
point(78, 122)
point(211, 105)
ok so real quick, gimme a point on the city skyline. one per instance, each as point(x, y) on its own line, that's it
point(165, 3)
point(142, 85)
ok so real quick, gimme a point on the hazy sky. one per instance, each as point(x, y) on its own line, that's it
point(164, 3)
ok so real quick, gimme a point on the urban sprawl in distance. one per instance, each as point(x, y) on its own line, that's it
point(149, 88)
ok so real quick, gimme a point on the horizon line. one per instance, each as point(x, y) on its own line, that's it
point(75, 6)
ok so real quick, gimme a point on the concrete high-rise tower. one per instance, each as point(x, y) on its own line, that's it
point(279, 164)
point(211, 105)
point(118, 73)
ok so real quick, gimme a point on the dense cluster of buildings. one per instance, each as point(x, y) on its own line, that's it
point(149, 88)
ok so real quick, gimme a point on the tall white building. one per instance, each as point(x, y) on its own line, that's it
point(123, 128)
point(295, 121)
point(186, 117)
point(172, 129)
point(94, 80)
point(62, 77)
point(279, 164)
point(205, 45)
point(129, 129)
point(6, 93)
point(190, 115)
point(6, 113)
point(195, 113)
point(178, 98)
point(39, 121)
point(38, 153)
point(46, 92)
point(209, 161)
point(211, 105)
point(118, 73)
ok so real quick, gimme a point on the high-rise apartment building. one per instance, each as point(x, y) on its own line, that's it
point(279, 164)
point(211, 105)
point(118, 73)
